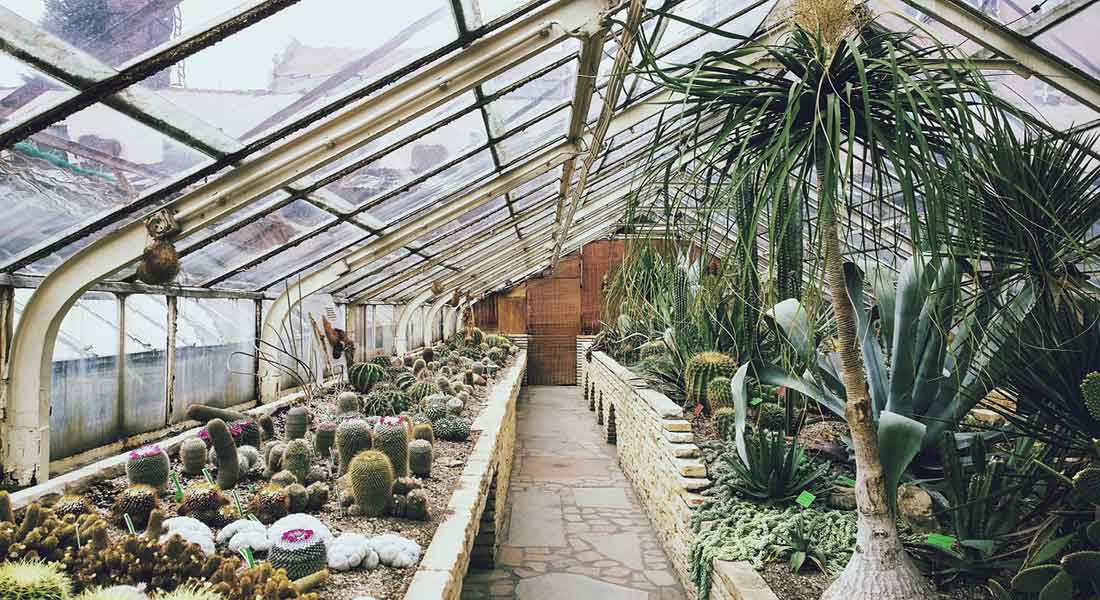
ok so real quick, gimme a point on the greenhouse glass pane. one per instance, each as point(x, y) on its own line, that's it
point(208, 333)
point(252, 240)
point(287, 262)
point(1074, 40)
point(534, 98)
point(410, 162)
point(84, 394)
point(299, 59)
point(378, 276)
point(480, 12)
point(1042, 100)
point(146, 363)
point(454, 179)
point(551, 55)
point(470, 220)
point(385, 320)
point(547, 132)
point(94, 161)
point(26, 91)
point(355, 276)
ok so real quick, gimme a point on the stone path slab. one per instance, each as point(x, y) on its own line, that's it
point(575, 529)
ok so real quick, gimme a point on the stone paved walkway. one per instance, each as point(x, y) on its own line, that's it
point(575, 530)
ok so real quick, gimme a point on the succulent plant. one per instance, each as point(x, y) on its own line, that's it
point(371, 477)
point(1057, 581)
point(324, 438)
point(228, 466)
point(270, 504)
point(283, 479)
point(137, 501)
point(347, 402)
point(421, 390)
point(391, 437)
point(443, 384)
point(385, 402)
point(300, 551)
point(1087, 485)
point(725, 422)
point(203, 414)
point(192, 454)
point(719, 394)
point(203, 501)
point(435, 409)
point(423, 431)
point(478, 368)
point(273, 458)
point(771, 416)
point(455, 406)
point(73, 504)
point(148, 465)
point(246, 433)
point(1090, 394)
point(267, 426)
point(34, 580)
point(420, 458)
point(297, 422)
point(416, 505)
point(316, 496)
point(352, 437)
point(474, 337)
point(298, 497)
point(364, 376)
point(297, 458)
point(700, 370)
point(452, 428)
point(381, 361)
point(468, 377)
point(418, 365)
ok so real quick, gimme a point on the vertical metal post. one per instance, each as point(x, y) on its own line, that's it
point(120, 302)
point(259, 333)
point(7, 319)
point(170, 360)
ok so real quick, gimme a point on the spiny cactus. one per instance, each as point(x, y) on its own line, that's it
point(452, 428)
point(300, 551)
point(420, 458)
point(468, 377)
point(347, 402)
point(203, 501)
point(316, 496)
point(148, 465)
point(455, 406)
point(700, 370)
point(270, 504)
point(423, 431)
point(228, 467)
point(34, 580)
point(297, 458)
point(478, 368)
point(385, 403)
point(418, 366)
point(297, 422)
point(371, 476)
point(267, 425)
point(248, 433)
point(203, 414)
point(475, 337)
point(352, 437)
point(404, 381)
point(421, 390)
point(137, 501)
point(192, 456)
point(273, 458)
point(381, 361)
point(284, 479)
point(1087, 484)
point(1090, 393)
point(719, 394)
point(435, 408)
point(416, 505)
point(298, 497)
point(725, 423)
point(73, 504)
point(324, 438)
point(363, 376)
point(443, 384)
point(391, 437)
point(771, 416)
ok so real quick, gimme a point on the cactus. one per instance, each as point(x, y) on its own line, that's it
point(420, 458)
point(34, 580)
point(267, 425)
point(300, 551)
point(478, 368)
point(391, 437)
point(700, 370)
point(404, 381)
point(283, 479)
point(719, 395)
point(203, 501)
point(418, 366)
point(297, 422)
point(474, 337)
point(316, 496)
point(148, 465)
point(297, 496)
point(428, 355)
point(297, 458)
point(249, 433)
point(1087, 484)
point(228, 467)
point(137, 501)
point(204, 414)
point(371, 476)
point(771, 416)
point(455, 406)
point(155, 527)
point(468, 377)
point(495, 339)
point(352, 437)
point(381, 361)
point(452, 428)
point(270, 504)
point(75, 505)
point(192, 456)
point(416, 505)
point(363, 376)
point(444, 385)
point(273, 458)
point(324, 438)
point(725, 423)
point(423, 431)
point(421, 390)
point(348, 402)
point(385, 403)
point(1090, 394)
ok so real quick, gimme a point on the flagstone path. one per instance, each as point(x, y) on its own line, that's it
point(575, 529)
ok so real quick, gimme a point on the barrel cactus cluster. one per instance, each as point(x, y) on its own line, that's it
point(699, 372)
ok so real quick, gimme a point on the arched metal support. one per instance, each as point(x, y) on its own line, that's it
point(434, 311)
point(401, 337)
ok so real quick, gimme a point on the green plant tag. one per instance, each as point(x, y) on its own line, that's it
point(246, 552)
point(206, 474)
point(845, 480)
point(237, 500)
point(805, 499)
point(129, 523)
point(756, 401)
point(179, 489)
point(253, 517)
point(940, 540)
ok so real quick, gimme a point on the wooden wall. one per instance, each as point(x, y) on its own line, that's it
point(599, 259)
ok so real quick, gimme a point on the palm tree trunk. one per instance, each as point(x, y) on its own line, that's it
point(879, 568)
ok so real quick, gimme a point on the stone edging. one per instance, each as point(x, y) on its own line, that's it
point(475, 511)
point(658, 455)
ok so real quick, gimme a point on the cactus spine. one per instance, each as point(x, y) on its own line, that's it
point(700, 369)
point(420, 458)
point(391, 437)
point(363, 376)
point(228, 467)
point(297, 458)
point(300, 551)
point(348, 402)
point(1090, 394)
point(297, 421)
point(372, 478)
point(324, 438)
point(192, 456)
point(148, 465)
point(352, 437)
point(719, 394)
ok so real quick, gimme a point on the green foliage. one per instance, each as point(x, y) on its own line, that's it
point(421, 390)
point(226, 450)
point(420, 458)
point(700, 370)
point(724, 423)
point(775, 470)
point(297, 423)
point(1090, 394)
point(391, 437)
point(371, 476)
point(474, 337)
point(363, 376)
point(352, 437)
point(799, 546)
point(771, 416)
point(452, 428)
point(1087, 484)
point(149, 465)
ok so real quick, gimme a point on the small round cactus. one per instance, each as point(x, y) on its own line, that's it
point(297, 422)
point(138, 501)
point(297, 458)
point(148, 465)
point(352, 437)
point(420, 458)
point(423, 431)
point(719, 394)
point(348, 402)
point(371, 476)
point(364, 376)
point(192, 455)
point(316, 496)
point(300, 551)
point(270, 504)
point(1087, 484)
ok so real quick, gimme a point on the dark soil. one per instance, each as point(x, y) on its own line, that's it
point(809, 585)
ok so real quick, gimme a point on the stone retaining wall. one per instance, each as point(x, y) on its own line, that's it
point(468, 533)
point(657, 452)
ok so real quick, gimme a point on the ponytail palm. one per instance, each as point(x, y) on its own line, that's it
point(862, 114)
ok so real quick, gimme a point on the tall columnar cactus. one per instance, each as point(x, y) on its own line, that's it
point(391, 437)
point(468, 377)
point(681, 296)
point(363, 376)
point(297, 422)
point(324, 438)
point(372, 478)
point(228, 468)
point(352, 437)
point(1090, 394)
point(267, 425)
point(299, 552)
point(701, 369)
point(148, 465)
point(719, 394)
point(420, 458)
point(297, 458)
point(788, 253)
point(203, 413)
point(348, 402)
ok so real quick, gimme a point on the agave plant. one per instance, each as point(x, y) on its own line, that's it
point(774, 470)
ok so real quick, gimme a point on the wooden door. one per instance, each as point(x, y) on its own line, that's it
point(553, 322)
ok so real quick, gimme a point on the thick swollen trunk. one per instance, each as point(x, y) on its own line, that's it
point(879, 569)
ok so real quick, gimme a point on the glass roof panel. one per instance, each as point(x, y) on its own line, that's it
point(1074, 40)
point(299, 59)
point(534, 98)
point(546, 132)
point(377, 273)
point(480, 12)
point(557, 52)
point(405, 289)
point(459, 176)
point(1042, 100)
point(355, 276)
point(25, 91)
point(293, 259)
point(251, 241)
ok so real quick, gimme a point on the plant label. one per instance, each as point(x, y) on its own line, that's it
point(805, 499)
point(940, 541)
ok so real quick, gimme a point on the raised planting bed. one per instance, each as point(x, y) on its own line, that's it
point(370, 549)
